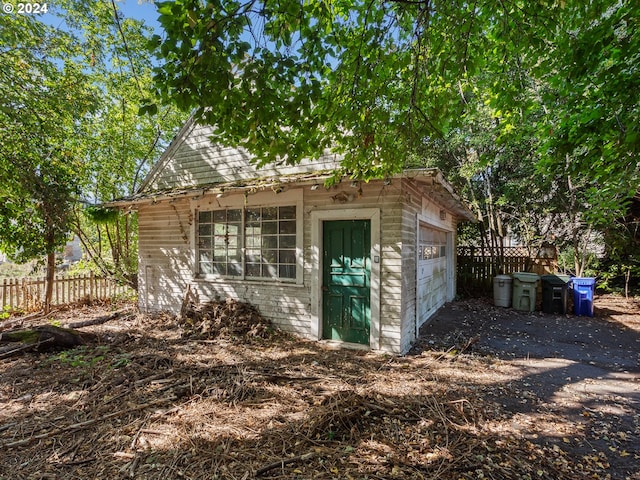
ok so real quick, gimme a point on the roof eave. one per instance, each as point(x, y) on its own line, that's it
point(433, 176)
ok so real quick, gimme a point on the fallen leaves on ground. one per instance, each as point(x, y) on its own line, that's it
point(163, 398)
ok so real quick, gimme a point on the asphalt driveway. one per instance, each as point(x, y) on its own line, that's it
point(586, 370)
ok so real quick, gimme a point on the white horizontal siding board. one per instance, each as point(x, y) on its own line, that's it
point(408, 315)
point(164, 255)
point(290, 314)
point(196, 161)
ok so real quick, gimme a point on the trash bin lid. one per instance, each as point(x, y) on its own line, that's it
point(583, 281)
point(556, 279)
point(502, 278)
point(526, 277)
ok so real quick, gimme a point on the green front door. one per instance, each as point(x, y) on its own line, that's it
point(346, 278)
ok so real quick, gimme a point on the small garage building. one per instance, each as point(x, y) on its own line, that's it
point(364, 264)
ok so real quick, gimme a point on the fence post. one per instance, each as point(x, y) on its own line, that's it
point(23, 291)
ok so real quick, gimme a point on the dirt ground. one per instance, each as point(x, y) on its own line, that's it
point(485, 393)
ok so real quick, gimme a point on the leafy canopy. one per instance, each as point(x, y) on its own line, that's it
point(42, 109)
point(287, 79)
point(380, 81)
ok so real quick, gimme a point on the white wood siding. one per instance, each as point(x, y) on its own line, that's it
point(166, 249)
point(164, 254)
point(417, 204)
point(196, 161)
point(386, 198)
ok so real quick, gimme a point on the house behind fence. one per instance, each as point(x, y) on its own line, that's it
point(28, 293)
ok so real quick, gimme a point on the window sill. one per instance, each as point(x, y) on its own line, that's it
point(248, 281)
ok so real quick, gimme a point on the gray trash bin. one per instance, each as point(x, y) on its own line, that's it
point(502, 290)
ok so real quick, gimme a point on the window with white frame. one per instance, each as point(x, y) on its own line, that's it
point(255, 242)
point(220, 242)
point(432, 243)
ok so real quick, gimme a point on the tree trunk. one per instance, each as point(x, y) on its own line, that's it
point(51, 271)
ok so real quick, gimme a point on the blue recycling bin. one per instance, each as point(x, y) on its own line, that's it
point(583, 290)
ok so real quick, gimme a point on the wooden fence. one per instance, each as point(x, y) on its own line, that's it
point(476, 266)
point(28, 293)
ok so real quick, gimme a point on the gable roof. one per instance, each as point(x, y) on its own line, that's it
point(192, 165)
point(192, 159)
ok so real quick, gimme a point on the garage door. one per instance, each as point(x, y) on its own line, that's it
point(431, 285)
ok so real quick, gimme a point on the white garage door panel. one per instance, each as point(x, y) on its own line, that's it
point(431, 285)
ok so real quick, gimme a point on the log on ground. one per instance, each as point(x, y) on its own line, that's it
point(43, 338)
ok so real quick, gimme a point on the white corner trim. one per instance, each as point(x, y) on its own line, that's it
point(319, 216)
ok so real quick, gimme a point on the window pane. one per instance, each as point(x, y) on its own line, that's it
point(253, 256)
point(287, 271)
point(204, 217)
point(288, 241)
point(206, 256)
point(269, 228)
point(270, 213)
point(206, 268)
point(287, 256)
point(270, 271)
point(253, 229)
point(252, 215)
point(233, 229)
point(219, 216)
point(288, 227)
point(270, 256)
point(234, 268)
point(234, 216)
point(252, 241)
point(204, 229)
point(270, 241)
point(232, 242)
point(288, 212)
point(253, 269)
point(220, 268)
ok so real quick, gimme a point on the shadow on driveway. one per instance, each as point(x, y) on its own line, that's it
point(586, 370)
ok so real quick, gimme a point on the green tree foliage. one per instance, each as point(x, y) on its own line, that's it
point(593, 103)
point(123, 144)
point(287, 79)
point(71, 134)
point(551, 84)
point(43, 110)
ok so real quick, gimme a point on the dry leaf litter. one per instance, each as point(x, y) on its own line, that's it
point(220, 394)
